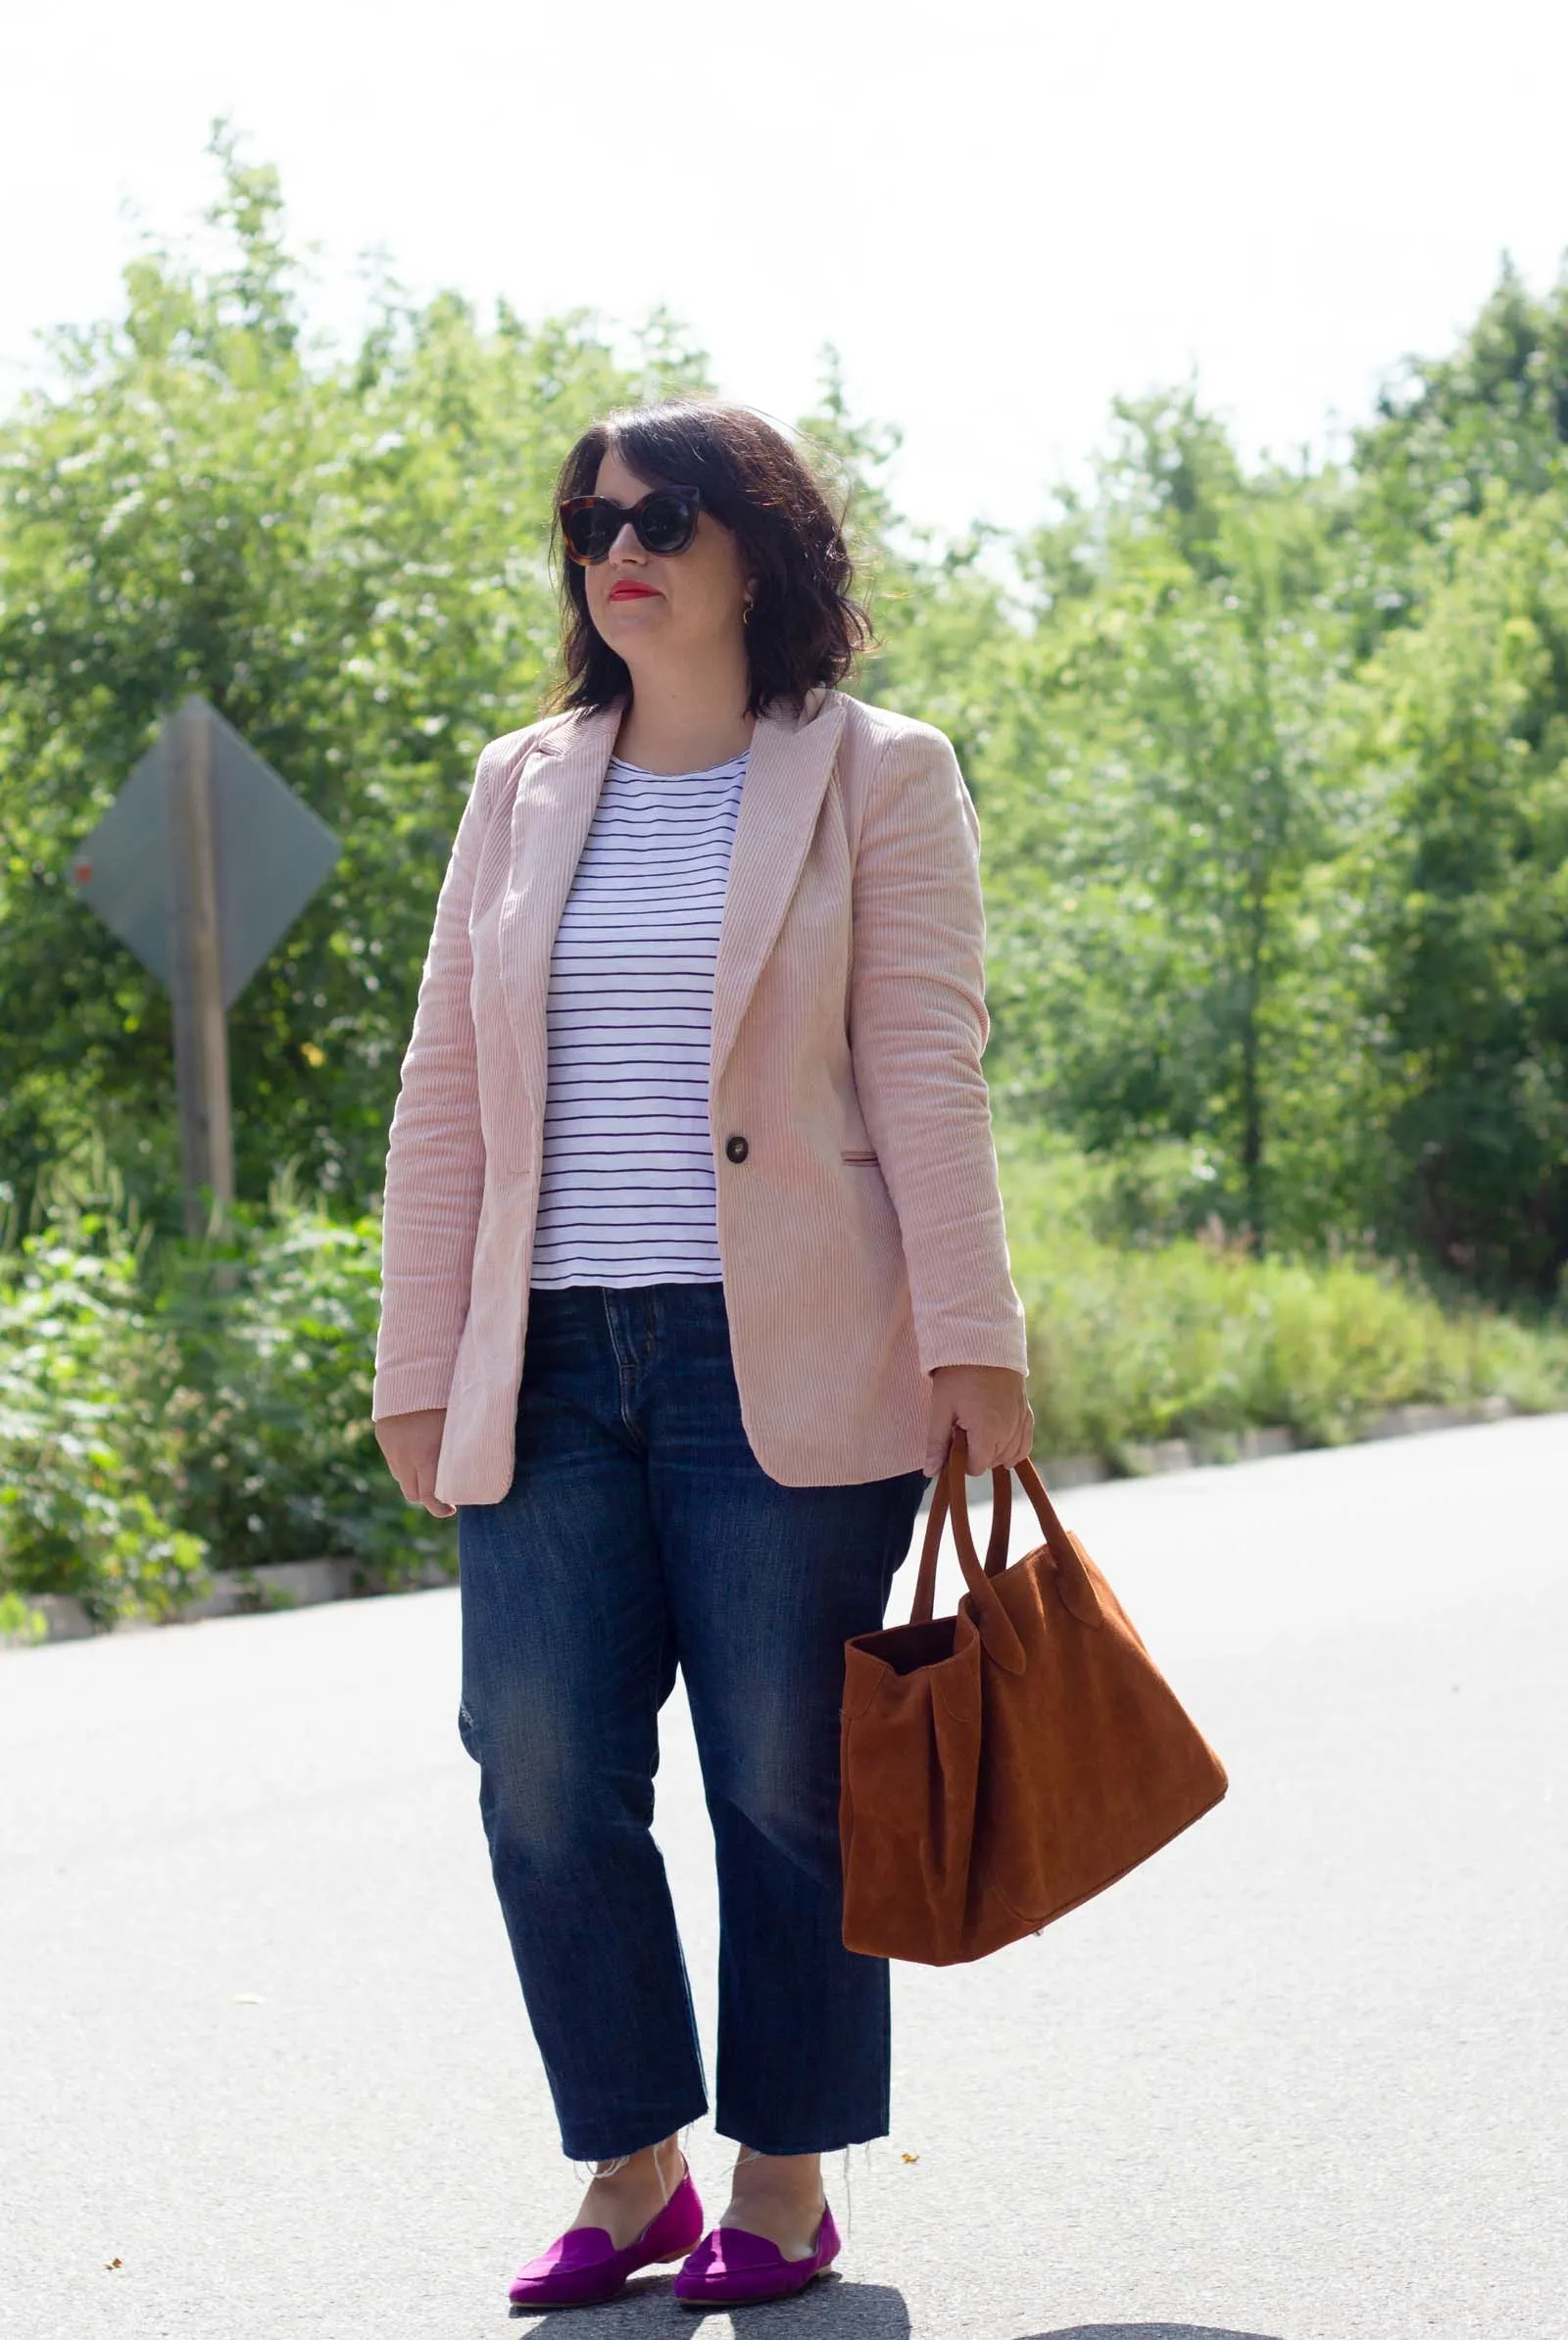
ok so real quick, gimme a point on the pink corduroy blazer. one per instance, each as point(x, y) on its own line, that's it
point(862, 1233)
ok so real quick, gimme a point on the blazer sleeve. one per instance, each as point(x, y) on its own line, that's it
point(435, 1163)
point(918, 1027)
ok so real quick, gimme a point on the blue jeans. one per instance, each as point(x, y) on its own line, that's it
point(640, 1533)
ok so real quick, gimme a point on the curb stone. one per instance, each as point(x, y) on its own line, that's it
point(236, 1592)
point(1210, 1450)
point(304, 1583)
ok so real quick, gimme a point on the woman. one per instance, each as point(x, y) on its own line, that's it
point(694, 1101)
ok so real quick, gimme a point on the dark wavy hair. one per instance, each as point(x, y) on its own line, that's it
point(806, 629)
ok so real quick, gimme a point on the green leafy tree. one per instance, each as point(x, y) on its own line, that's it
point(1451, 430)
point(1467, 717)
point(941, 621)
point(345, 553)
point(1163, 767)
point(1269, 760)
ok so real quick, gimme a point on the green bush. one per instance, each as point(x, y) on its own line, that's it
point(1132, 1341)
point(93, 1499)
point(169, 1408)
point(277, 1327)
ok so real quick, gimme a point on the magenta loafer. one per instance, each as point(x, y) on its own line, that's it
point(730, 2268)
point(583, 2268)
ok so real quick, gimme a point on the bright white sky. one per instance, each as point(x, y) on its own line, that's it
point(1002, 213)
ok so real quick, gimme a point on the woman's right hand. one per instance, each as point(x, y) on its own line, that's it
point(411, 1444)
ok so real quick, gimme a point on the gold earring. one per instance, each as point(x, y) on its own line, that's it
point(746, 611)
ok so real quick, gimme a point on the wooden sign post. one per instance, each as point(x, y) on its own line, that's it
point(196, 978)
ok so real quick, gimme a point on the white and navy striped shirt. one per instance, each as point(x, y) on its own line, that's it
point(627, 1191)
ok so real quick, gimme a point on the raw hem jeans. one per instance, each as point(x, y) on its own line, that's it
point(640, 1533)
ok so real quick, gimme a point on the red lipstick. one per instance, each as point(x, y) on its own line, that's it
point(626, 589)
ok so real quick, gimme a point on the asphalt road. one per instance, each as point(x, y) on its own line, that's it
point(263, 2071)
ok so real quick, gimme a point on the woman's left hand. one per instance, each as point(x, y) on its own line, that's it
point(990, 1403)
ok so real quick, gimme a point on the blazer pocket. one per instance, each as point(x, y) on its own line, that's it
point(858, 1154)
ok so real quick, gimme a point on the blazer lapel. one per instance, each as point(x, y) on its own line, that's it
point(557, 794)
point(786, 779)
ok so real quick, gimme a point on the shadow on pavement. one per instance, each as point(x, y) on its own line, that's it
point(1146, 2332)
point(832, 2306)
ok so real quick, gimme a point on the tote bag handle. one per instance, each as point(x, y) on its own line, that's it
point(995, 1628)
point(925, 1585)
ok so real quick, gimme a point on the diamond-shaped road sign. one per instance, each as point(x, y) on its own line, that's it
point(270, 855)
point(201, 864)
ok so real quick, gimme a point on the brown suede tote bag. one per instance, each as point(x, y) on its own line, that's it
point(1003, 1765)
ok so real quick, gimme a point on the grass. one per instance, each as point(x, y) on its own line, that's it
point(1131, 1342)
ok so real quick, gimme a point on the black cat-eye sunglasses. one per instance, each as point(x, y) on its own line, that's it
point(665, 522)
